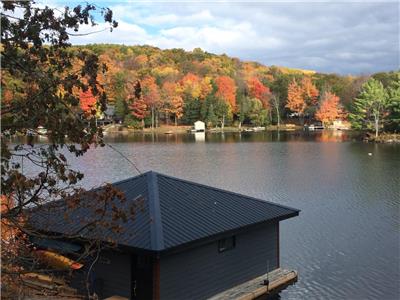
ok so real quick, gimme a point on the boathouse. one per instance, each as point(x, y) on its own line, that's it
point(186, 241)
point(199, 126)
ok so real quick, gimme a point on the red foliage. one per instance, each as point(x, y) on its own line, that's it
point(226, 90)
point(87, 101)
point(139, 109)
point(258, 90)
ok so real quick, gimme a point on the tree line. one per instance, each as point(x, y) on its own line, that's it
point(149, 86)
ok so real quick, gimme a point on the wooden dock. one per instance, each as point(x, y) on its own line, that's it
point(279, 279)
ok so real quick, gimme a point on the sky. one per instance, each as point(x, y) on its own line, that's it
point(344, 37)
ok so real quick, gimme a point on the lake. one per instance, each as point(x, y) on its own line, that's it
point(344, 244)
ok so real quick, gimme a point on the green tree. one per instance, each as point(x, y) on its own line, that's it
point(119, 83)
point(223, 112)
point(257, 114)
point(211, 118)
point(370, 107)
point(244, 106)
point(393, 123)
point(121, 108)
point(191, 111)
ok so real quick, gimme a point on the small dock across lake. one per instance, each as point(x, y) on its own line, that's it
point(279, 279)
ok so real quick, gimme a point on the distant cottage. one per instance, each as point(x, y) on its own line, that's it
point(189, 241)
point(199, 126)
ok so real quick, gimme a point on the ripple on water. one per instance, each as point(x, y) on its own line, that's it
point(345, 243)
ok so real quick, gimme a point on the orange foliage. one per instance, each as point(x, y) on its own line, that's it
point(150, 91)
point(310, 92)
point(177, 106)
point(139, 109)
point(141, 59)
point(87, 101)
point(226, 90)
point(330, 109)
point(12, 238)
point(169, 89)
point(7, 96)
point(258, 90)
point(172, 99)
point(295, 101)
point(190, 85)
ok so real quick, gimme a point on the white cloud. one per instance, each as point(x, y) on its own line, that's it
point(125, 33)
point(345, 37)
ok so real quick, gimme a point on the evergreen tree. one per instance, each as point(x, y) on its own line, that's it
point(191, 111)
point(211, 119)
point(121, 108)
point(371, 107)
point(393, 123)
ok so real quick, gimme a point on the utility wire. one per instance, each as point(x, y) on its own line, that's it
point(120, 153)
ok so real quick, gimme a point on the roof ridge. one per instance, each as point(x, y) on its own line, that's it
point(229, 192)
point(156, 228)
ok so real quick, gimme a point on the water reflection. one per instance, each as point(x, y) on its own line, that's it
point(200, 136)
point(345, 243)
point(226, 137)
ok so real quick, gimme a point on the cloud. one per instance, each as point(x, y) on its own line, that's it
point(125, 33)
point(344, 37)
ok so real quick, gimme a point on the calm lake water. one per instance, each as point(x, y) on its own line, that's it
point(345, 243)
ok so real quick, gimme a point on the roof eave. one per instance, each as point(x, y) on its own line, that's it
point(215, 237)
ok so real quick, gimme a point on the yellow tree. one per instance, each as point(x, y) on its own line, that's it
point(151, 95)
point(190, 86)
point(205, 87)
point(172, 101)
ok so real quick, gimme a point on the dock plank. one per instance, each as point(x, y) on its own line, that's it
point(279, 279)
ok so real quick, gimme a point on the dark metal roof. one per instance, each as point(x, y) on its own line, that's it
point(174, 212)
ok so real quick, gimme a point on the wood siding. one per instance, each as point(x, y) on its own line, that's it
point(156, 279)
point(113, 275)
point(203, 272)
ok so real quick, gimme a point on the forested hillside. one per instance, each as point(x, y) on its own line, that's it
point(148, 86)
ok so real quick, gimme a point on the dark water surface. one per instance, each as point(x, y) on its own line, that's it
point(345, 243)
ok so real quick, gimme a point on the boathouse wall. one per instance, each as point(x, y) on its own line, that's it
point(113, 275)
point(204, 271)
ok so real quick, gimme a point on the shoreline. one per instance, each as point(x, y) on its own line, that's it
point(116, 128)
point(384, 138)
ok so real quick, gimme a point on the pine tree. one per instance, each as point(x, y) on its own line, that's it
point(371, 107)
point(211, 117)
point(394, 104)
